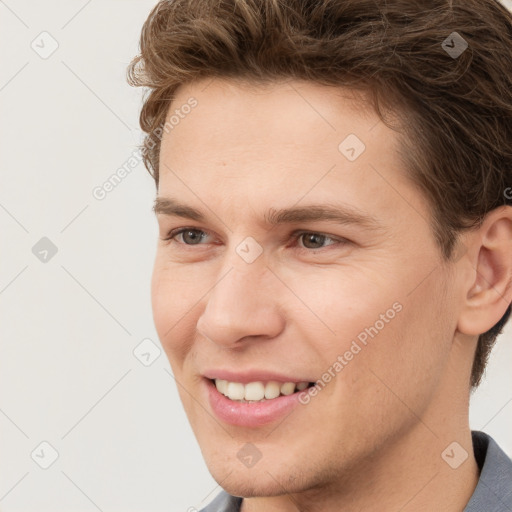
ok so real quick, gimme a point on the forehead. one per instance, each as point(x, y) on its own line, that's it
point(229, 111)
point(293, 122)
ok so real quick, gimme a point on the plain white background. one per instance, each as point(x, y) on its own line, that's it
point(70, 324)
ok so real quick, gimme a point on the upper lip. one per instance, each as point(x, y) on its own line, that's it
point(251, 376)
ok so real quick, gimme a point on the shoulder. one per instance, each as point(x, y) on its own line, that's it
point(494, 488)
point(224, 502)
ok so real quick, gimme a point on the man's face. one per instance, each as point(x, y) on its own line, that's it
point(358, 303)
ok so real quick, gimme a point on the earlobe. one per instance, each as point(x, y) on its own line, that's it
point(489, 289)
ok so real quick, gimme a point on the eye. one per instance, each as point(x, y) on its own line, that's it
point(189, 236)
point(313, 240)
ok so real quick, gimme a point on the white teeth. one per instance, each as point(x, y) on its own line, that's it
point(254, 391)
point(221, 385)
point(235, 391)
point(272, 389)
point(288, 388)
point(257, 391)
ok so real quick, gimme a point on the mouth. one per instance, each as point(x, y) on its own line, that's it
point(253, 404)
point(258, 391)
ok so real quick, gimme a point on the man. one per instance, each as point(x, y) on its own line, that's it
point(335, 256)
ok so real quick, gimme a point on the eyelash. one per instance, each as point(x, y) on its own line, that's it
point(295, 236)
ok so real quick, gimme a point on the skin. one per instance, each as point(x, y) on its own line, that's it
point(372, 439)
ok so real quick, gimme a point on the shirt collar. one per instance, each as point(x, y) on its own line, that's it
point(494, 488)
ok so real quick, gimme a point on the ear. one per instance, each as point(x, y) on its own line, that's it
point(488, 286)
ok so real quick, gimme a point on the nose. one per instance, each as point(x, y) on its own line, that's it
point(243, 304)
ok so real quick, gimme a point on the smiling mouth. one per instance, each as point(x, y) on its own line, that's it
point(258, 391)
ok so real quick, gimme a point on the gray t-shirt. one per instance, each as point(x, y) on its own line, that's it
point(493, 492)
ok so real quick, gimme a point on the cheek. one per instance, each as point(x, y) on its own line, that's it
point(175, 289)
point(377, 325)
point(174, 292)
point(345, 302)
point(162, 299)
point(405, 361)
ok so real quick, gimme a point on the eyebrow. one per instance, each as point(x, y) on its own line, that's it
point(342, 214)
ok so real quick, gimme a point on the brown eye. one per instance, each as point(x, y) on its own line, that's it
point(313, 240)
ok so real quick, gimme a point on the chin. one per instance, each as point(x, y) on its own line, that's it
point(251, 487)
point(256, 482)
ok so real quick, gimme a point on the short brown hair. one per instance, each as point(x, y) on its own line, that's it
point(456, 110)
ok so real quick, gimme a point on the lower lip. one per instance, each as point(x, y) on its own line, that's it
point(246, 414)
